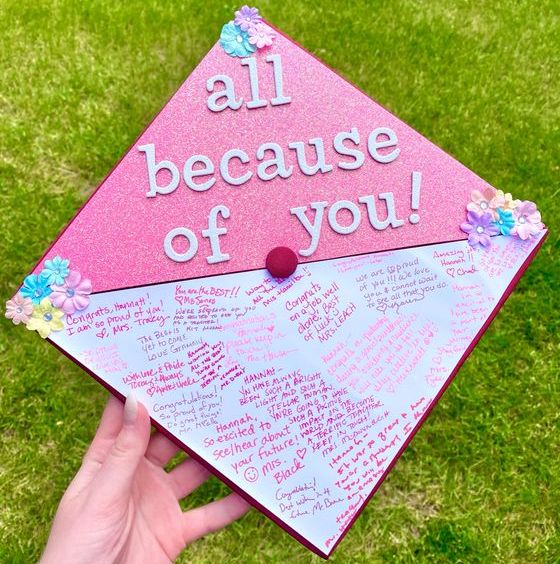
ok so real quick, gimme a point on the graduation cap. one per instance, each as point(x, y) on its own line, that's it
point(285, 274)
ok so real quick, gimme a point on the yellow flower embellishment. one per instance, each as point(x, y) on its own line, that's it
point(45, 318)
point(504, 201)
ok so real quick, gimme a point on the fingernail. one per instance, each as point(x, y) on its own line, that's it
point(130, 409)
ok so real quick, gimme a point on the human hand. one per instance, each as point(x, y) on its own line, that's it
point(122, 506)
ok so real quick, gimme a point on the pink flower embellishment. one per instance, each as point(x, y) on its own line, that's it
point(247, 17)
point(73, 295)
point(261, 35)
point(527, 220)
point(481, 200)
point(504, 201)
point(18, 309)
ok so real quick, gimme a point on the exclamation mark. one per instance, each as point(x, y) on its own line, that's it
point(415, 197)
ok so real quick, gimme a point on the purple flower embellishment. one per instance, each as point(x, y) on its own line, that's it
point(73, 295)
point(246, 18)
point(480, 228)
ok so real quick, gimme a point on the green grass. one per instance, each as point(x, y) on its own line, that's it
point(79, 81)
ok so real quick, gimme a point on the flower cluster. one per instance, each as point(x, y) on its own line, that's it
point(492, 212)
point(45, 298)
point(246, 33)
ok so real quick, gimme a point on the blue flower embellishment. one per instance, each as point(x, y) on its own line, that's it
point(36, 288)
point(235, 41)
point(56, 270)
point(505, 221)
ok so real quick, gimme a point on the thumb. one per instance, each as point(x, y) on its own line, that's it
point(117, 472)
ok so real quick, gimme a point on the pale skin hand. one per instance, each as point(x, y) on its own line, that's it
point(122, 506)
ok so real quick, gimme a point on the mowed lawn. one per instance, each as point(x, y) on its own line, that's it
point(80, 79)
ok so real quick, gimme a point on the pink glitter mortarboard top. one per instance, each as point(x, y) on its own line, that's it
point(117, 237)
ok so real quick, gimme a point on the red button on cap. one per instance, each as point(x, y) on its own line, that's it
point(281, 262)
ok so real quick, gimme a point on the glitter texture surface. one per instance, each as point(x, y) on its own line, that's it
point(117, 238)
